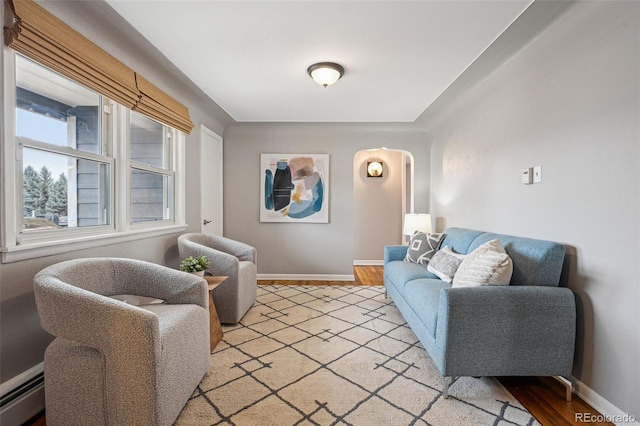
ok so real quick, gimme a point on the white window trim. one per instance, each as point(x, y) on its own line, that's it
point(10, 180)
point(120, 231)
point(104, 157)
point(49, 248)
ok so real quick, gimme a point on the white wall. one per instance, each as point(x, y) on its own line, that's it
point(332, 252)
point(22, 341)
point(569, 101)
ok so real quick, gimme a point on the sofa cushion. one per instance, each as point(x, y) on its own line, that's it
point(399, 273)
point(535, 262)
point(459, 239)
point(423, 295)
point(489, 264)
point(423, 246)
point(445, 263)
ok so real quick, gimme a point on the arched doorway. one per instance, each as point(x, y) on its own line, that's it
point(380, 202)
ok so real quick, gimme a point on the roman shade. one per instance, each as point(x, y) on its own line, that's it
point(158, 105)
point(40, 36)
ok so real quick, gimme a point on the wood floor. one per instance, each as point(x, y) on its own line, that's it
point(542, 396)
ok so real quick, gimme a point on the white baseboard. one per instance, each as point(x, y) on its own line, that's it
point(610, 412)
point(368, 262)
point(305, 277)
point(21, 378)
point(24, 407)
point(22, 396)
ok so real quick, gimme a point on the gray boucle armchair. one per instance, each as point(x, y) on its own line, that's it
point(118, 364)
point(231, 258)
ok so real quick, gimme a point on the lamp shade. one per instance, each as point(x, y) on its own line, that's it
point(416, 222)
point(325, 73)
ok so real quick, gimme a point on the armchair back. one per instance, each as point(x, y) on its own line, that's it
point(233, 259)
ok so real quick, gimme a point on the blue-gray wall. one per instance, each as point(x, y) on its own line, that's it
point(305, 249)
point(567, 99)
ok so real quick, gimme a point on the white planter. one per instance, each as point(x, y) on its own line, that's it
point(199, 274)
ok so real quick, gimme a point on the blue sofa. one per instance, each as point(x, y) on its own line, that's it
point(524, 329)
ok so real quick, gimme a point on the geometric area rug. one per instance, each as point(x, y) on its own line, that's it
point(336, 355)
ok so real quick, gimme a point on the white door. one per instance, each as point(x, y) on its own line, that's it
point(210, 182)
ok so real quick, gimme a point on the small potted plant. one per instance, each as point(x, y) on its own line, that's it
point(195, 265)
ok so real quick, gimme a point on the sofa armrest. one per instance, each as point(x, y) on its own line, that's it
point(506, 330)
point(392, 253)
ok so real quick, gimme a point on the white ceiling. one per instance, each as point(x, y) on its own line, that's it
point(251, 57)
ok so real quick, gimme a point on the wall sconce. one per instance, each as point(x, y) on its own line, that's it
point(374, 168)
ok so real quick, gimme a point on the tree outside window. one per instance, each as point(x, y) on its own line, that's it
point(45, 199)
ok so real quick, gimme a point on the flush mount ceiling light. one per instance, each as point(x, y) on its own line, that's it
point(325, 73)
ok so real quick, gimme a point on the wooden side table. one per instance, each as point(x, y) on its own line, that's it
point(215, 329)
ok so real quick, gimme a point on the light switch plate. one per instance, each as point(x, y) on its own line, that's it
point(527, 176)
point(537, 174)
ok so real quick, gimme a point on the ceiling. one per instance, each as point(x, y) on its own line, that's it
point(251, 57)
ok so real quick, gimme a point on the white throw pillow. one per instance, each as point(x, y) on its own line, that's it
point(445, 263)
point(135, 300)
point(489, 264)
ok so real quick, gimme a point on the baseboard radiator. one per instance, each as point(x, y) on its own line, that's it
point(20, 404)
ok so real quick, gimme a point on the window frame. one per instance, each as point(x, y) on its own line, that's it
point(46, 235)
point(16, 246)
point(170, 135)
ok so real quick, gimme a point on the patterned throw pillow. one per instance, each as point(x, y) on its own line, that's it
point(423, 246)
point(445, 263)
point(489, 264)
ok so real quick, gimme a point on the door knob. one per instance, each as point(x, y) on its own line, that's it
point(205, 221)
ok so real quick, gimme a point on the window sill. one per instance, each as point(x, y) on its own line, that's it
point(50, 248)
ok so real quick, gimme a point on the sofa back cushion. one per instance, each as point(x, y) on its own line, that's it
point(535, 262)
point(459, 239)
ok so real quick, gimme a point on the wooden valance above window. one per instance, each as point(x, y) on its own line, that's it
point(42, 37)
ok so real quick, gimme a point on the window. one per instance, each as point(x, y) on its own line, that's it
point(75, 164)
point(66, 168)
point(78, 196)
point(151, 174)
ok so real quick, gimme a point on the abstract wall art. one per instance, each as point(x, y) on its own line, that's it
point(294, 188)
